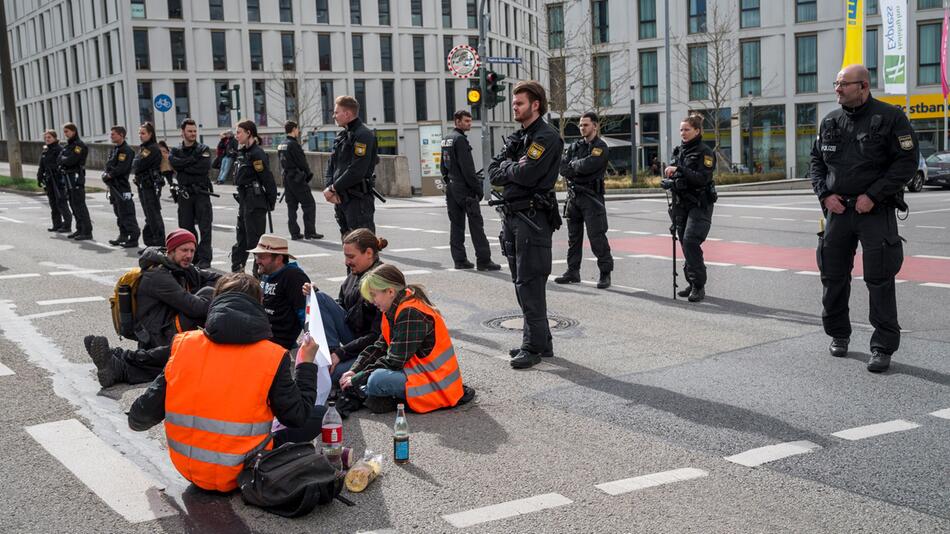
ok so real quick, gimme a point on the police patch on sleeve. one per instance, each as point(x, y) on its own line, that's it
point(708, 161)
point(535, 151)
point(122, 157)
point(359, 149)
point(596, 152)
point(77, 149)
point(259, 165)
point(145, 152)
point(907, 142)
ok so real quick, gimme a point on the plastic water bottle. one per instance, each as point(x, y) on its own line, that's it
point(332, 436)
point(401, 436)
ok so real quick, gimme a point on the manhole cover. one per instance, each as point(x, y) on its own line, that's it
point(516, 322)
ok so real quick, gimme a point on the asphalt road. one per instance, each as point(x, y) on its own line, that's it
point(640, 385)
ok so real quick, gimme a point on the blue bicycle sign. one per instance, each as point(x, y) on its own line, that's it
point(163, 102)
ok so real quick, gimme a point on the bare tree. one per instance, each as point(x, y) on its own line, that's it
point(289, 85)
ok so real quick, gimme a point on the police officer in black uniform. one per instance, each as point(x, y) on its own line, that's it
point(192, 162)
point(116, 178)
point(527, 169)
point(148, 180)
point(297, 176)
point(50, 179)
point(72, 165)
point(690, 180)
point(350, 174)
point(864, 155)
point(463, 192)
point(583, 166)
point(257, 193)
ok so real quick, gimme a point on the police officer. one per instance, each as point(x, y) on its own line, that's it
point(192, 162)
point(116, 178)
point(463, 192)
point(583, 166)
point(350, 174)
point(50, 179)
point(690, 180)
point(148, 180)
point(257, 193)
point(527, 169)
point(297, 175)
point(72, 164)
point(865, 154)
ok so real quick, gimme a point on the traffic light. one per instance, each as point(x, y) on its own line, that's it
point(225, 102)
point(474, 95)
point(496, 89)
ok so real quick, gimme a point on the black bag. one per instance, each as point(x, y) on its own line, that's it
point(290, 480)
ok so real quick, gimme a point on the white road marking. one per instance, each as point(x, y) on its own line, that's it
point(557, 261)
point(103, 245)
point(930, 211)
point(36, 207)
point(69, 301)
point(943, 414)
point(336, 279)
point(720, 264)
point(21, 275)
point(435, 231)
point(47, 314)
point(768, 269)
point(935, 284)
point(933, 227)
point(5, 247)
point(618, 286)
point(414, 249)
point(809, 273)
point(750, 217)
point(745, 242)
point(417, 271)
point(314, 255)
point(87, 271)
point(619, 487)
point(869, 431)
point(5, 371)
point(713, 239)
point(782, 219)
point(442, 247)
point(721, 215)
point(770, 453)
point(925, 256)
point(636, 232)
point(224, 226)
point(506, 510)
point(8, 219)
point(110, 475)
point(172, 219)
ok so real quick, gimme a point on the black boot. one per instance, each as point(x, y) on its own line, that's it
point(697, 294)
point(488, 266)
point(101, 354)
point(464, 264)
point(879, 362)
point(685, 292)
point(525, 360)
point(568, 278)
point(839, 347)
point(118, 241)
point(514, 352)
point(313, 235)
point(604, 281)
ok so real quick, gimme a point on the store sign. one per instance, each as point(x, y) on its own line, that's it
point(430, 145)
point(386, 138)
point(894, 35)
point(921, 106)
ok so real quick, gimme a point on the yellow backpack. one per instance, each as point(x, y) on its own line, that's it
point(123, 303)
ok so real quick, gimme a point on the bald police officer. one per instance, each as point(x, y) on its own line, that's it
point(350, 174)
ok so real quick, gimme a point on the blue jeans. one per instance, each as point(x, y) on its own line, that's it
point(386, 383)
point(225, 169)
point(334, 321)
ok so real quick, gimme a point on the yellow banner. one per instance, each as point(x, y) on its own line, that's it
point(853, 33)
point(921, 106)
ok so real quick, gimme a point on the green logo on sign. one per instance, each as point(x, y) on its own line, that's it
point(895, 69)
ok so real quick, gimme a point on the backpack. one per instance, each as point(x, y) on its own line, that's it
point(290, 480)
point(123, 303)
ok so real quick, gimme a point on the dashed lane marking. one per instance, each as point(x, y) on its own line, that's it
point(933, 227)
point(413, 249)
point(770, 453)
point(878, 429)
point(720, 264)
point(750, 217)
point(223, 226)
point(17, 276)
point(116, 480)
point(69, 301)
point(935, 284)
point(943, 414)
point(768, 269)
point(47, 314)
point(10, 219)
point(5, 371)
point(809, 273)
point(506, 509)
point(442, 247)
point(618, 286)
point(87, 271)
point(619, 487)
point(314, 255)
point(637, 232)
point(925, 256)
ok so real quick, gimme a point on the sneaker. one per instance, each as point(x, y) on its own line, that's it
point(839, 347)
point(685, 292)
point(489, 266)
point(879, 362)
point(101, 354)
point(380, 404)
point(464, 264)
point(568, 278)
point(525, 360)
point(697, 294)
point(604, 281)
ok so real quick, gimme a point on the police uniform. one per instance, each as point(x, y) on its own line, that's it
point(297, 176)
point(192, 164)
point(583, 166)
point(694, 193)
point(53, 183)
point(116, 178)
point(257, 195)
point(527, 169)
point(869, 150)
point(463, 192)
point(72, 164)
point(148, 180)
point(351, 174)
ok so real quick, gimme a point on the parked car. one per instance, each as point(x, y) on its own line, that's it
point(937, 172)
point(917, 182)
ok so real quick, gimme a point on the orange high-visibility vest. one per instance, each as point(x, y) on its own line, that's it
point(216, 409)
point(432, 381)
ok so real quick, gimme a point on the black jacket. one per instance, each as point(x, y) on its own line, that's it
point(693, 182)
point(362, 317)
point(353, 161)
point(148, 161)
point(191, 164)
point(257, 189)
point(585, 163)
point(458, 167)
point(235, 318)
point(119, 166)
point(72, 159)
point(49, 163)
point(870, 149)
point(284, 303)
point(293, 163)
point(542, 147)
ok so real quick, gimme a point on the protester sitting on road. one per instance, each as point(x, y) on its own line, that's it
point(281, 282)
point(223, 387)
point(413, 360)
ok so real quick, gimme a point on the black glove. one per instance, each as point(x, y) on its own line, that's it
point(680, 183)
point(666, 184)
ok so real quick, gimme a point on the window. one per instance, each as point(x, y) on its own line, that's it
point(260, 102)
point(806, 63)
point(698, 90)
point(182, 107)
point(446, 48)
point(602, 81)
point(288, 50)
point(177, 38)
point(646, 10)
point(219, 52)
point(257, 50)
point(929, 4)
point(556, 26)
point(356, 12)
point(357, 52)
point(326, 101)
point(749, 14)
point(389, 101)
point(600, 23)
point(359, 93)
point(806, 122)
point(138, 11)
point(871, 7)
point(751, 53)
point(286, 11)
point(384, 19)
point(174, 9)
point(806, 10)
point(216, 9)
point(446, 13)
point(140, 41)
point(449, 99)
point(323, 12)
point(254, 11)
point(928, 53)
point(418, 53)
point(697, 16)
point(290, 100)
point(422, 112)
point(649, 84)
point(415, 9)
point(386, 52)
point(323, 44)
point(145, 102)
point(471, 14)
point(870, 54)
point(768, 125)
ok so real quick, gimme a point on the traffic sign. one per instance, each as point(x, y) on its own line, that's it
point(163, 102)
point(463, 61)
point(502, 59)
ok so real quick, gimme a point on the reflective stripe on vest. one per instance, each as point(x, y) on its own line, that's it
point(434, 365)
point(215, 457)
point(431, 387)
point(217, 426)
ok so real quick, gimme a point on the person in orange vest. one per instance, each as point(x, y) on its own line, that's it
point(413, 361)
point(224, 385)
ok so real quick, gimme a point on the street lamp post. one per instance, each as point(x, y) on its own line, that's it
point(633, 134)
point(751, 164)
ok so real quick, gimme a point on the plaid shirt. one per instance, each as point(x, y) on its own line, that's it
point(413, 332)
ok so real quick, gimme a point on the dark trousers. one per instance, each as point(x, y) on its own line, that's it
point(529, 259)
point(76, 185)
point(120, 195)
point(250, 227)
point(300, 194)
point(140, 366)
point(356, 212)
point(460, 207)
point(883, 256)
point(59, 212)
point(195, 211)
point(692, 226)
point(153, 233)
point(584, 210)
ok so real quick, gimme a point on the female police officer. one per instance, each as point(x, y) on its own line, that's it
point(257, 193)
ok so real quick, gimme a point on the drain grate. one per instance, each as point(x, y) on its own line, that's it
point(516, 322)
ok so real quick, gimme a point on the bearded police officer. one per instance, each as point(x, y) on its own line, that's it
point(72, 165)
point(192, 162)
point(350, 174)
point(256, 196)
point(50, 179)
point(463, 192)
point(865, 154)
point(583, 166)
point(116, 178)
point(527, 169)
point(297, 176)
